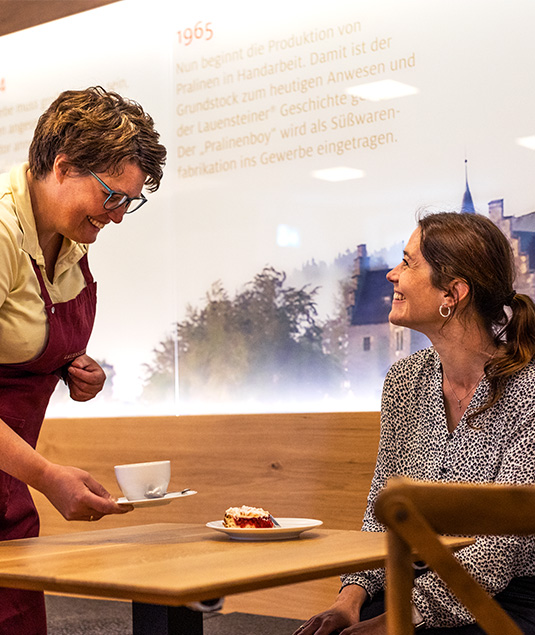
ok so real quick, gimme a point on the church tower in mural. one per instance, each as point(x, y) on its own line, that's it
point(374, 344)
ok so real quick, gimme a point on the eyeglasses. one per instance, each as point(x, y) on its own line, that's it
point(116, 199)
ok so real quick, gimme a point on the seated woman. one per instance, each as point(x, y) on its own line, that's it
point(461, 410)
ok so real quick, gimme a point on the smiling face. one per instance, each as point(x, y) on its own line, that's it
point(78, 211)
point(416, 301)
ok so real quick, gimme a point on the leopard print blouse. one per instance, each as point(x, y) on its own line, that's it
point(497, 447)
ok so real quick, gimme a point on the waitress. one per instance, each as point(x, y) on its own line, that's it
point(91, 155)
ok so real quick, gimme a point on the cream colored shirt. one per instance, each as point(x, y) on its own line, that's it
point(23, 321)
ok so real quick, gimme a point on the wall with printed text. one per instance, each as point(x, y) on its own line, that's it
point(301, 144)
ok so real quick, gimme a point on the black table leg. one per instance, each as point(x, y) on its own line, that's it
point(155, 619)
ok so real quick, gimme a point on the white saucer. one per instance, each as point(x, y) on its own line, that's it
point(153, 502)
point(289, 528)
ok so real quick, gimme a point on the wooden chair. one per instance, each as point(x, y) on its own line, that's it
point(416, 513)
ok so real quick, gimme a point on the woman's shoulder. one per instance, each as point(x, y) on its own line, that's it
point(4, 183)
point(426, 358)
point(524, 377)
point(10, 229)
point(518, 396)
point(412, 371)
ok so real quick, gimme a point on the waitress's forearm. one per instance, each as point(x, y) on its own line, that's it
point(19, 459)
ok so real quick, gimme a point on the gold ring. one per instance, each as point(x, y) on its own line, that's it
point(91, 518)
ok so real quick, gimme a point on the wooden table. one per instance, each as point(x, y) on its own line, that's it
point(168, 565)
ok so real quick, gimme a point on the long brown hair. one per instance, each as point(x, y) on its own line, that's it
point(472, 248)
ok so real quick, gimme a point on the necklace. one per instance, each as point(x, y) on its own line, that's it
point(463, 398)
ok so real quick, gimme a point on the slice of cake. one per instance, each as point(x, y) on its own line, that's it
point(247, 518)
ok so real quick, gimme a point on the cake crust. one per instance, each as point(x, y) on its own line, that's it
point(246, 517)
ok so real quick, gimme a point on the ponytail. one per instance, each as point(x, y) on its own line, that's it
point(516, 348)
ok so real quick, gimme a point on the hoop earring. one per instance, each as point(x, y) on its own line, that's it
point(448, 310)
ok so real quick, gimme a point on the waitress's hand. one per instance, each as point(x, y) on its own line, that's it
point(85, 378)
point(76, 494)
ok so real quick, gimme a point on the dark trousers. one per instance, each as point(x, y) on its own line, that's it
point(518, 599)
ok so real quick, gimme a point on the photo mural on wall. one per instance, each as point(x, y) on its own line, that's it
point(302, 145)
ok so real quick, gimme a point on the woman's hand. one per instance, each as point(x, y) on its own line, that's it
point(85, 378)
point(333, 620)
point(344, 613)
point(76, 494)
point(374, 626)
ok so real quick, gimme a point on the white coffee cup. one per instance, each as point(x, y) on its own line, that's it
point(144, 480)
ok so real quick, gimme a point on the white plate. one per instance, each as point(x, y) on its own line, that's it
point(290, 528)
point(153, 502)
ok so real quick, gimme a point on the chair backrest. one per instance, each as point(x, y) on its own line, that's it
point(417, 512)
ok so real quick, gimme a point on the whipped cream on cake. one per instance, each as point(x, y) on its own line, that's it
point(247, 517)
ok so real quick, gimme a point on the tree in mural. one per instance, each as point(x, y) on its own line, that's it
point(335, 330)
point(264, 344)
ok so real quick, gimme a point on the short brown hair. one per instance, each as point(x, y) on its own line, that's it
point(99, 131)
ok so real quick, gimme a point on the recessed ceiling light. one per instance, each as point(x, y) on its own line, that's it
point(338, 174)
point(288, 236)
point(527, 142)
point(384, 89)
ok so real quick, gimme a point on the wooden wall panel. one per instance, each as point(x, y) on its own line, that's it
point(305, 465)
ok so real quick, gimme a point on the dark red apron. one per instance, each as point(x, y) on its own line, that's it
point(25, 390)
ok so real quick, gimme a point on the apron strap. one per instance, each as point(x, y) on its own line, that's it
point(44, 290)
point(84, 266)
